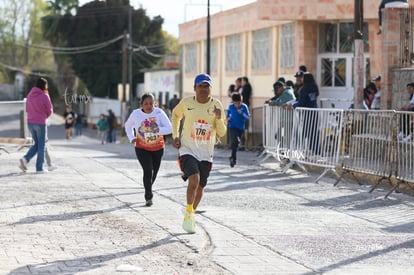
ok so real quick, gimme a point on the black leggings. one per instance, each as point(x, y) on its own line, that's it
point(150, 162)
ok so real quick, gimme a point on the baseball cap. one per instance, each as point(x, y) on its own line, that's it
point(200, 78)
point(299, 74)
point(377, 78)
point(278, 84)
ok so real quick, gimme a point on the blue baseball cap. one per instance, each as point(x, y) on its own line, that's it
point(377, 78)
point(202, 78)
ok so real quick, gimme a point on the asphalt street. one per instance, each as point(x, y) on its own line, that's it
point(88, 217)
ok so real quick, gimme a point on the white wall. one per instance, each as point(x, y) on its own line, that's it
point(101, 106)
point(161, 83)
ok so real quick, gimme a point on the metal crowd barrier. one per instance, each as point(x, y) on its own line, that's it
point(277, 132)
point(404, 170)
point(368, 143)
point(13, 119)
point(316, 139)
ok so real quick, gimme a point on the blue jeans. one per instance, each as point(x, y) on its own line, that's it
point(111, 137)
point(78, 129)
point(38, 132)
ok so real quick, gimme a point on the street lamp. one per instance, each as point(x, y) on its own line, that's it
point(208, 38)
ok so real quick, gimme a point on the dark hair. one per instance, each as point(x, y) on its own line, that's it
point(41, 83)
point(145, 96)
point(308, 80)
point(245, 79)
point(282, 79)
point(372, 86)
point(290, 83)
point(411, 84)
point(236, 97)
point(232, 87)
point(277, 85)
point(303, 68)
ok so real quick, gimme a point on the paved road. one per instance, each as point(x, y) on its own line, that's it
point(88, 217)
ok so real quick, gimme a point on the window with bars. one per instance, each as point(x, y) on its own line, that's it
point(339, 37)
point(233, 53)
point(191, 58)
point(287, 57)
point(261, 43)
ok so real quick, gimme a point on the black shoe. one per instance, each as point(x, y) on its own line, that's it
point(232, 161)
point(148, 203)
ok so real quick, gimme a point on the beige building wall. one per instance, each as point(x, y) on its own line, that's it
point(272, 14)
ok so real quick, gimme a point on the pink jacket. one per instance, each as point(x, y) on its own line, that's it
point(38, 106)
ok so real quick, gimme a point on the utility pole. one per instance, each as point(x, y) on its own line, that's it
point(359, 64)
point(124, 80)
point(130, 89)
point(208, 38)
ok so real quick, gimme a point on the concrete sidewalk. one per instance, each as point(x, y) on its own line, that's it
point(88, 217)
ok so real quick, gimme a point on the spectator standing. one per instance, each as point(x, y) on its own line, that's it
point(173, 102)
point(112, 125)
point(376, 103)
point(369, 95)
point(203, 122)
point(145, 128)
point(309, 99)
point(69, 117)
point(238, 85)
point(406, 122)
point(38, 108)
point(246, 91)
point(231, 90)
point(102, 126)
point(282, 96)
point(410, 105)
point(78, 124)
point(309, 94)
point(237, 113)
point(298, 84)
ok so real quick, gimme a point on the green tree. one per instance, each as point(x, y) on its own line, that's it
point(96, 23)
point(20, 28)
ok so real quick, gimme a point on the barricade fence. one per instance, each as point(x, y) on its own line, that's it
point(404, 170)
point(372, 142)
point(316, 138)
point(277, 137)
point(13, 119)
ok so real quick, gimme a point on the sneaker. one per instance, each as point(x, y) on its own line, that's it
point(51, 167)
point(189, 222)
point(41, 172)
point(23, 164)
point(148, 203)
point(407, 138)
point(232, 161)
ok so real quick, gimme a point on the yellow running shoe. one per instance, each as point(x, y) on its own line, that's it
point(189, 222)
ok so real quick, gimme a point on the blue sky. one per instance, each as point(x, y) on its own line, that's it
point(176, 12)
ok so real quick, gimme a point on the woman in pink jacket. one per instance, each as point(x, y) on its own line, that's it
point(38, 108)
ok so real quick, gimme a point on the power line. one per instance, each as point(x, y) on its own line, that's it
point(74, 50)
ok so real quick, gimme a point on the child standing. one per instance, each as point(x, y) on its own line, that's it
point(102, 126)
point(237, 114)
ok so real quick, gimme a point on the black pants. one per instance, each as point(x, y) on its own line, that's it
point(236, 135)
point(150, 162)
